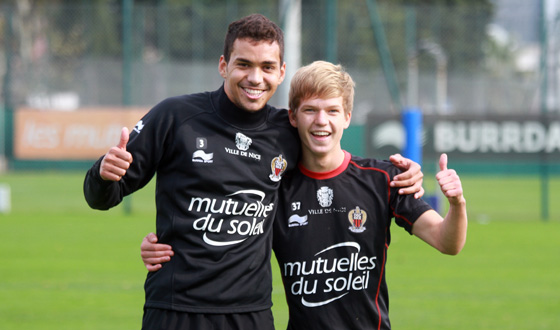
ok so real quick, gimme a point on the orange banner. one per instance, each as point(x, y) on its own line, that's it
point(77, 135)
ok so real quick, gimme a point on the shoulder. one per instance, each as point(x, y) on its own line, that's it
point(278, 120)
point(278, 117)
point(191, 102)
point(374, 165)
point(180, 107)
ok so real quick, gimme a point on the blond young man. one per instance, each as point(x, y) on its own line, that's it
point(332, 230)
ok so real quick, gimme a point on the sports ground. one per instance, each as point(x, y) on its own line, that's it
point(65, 266)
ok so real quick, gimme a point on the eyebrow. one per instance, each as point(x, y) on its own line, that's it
point(329, 107)
point(244, 60)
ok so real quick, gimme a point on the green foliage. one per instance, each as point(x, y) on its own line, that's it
point(195, 29)
point(487, 3)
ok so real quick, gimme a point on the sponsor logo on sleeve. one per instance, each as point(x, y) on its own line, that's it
point(139, 126)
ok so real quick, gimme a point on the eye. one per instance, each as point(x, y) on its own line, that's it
point(269, 68)
point(240, 63)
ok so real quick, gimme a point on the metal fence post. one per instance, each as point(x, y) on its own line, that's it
point(544, 86)
point(127, 8)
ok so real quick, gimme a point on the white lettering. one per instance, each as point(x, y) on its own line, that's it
point(232, 151)
point(84, 136)
point(511, 135)
point(489, 137)
point(553, 141)
point(338, 275)
point(207, 224)
point(497, 137)
point(241, 213)
point(301, 287)
point(534, 137)
point(247, 154)
point(351, 282)
point(444, 137)
point(245, 228)
point(41, 136)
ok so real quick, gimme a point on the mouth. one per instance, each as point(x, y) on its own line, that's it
point(253, 93)
point(320, 134)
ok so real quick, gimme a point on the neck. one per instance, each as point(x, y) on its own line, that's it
point(323, 163)
point(236, 116)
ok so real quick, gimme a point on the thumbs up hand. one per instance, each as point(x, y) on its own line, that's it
point(124, 139)
point(449, 182)
point(117, 160)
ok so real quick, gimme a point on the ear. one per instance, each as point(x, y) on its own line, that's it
point(348, 119)
point(292, 116)
point(282, 72)
point(222, 67)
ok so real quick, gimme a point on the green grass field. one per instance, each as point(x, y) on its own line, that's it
point(64, 266)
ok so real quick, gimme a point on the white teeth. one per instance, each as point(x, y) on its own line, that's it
point(253, 92)
point(321, 133)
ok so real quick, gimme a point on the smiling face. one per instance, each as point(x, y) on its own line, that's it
point(253, 73)
point(320, 123)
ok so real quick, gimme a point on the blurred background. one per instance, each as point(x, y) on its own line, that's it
point(484, 75)
point(476, 79)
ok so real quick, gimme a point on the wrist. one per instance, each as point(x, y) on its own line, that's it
point(458, 201)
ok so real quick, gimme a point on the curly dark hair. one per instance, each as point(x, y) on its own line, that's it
point(256, 27)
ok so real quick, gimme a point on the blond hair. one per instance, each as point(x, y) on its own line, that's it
point(324, 80)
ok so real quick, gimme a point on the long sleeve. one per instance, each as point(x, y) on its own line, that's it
point(101, 194)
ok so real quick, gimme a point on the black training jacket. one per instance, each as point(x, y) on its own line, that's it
point(218, 171)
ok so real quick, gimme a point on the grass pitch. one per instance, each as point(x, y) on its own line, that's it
point(65, 266)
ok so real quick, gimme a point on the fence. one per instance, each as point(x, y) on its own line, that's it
point(473, 57)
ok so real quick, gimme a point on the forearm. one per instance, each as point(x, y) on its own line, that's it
point(453, 234)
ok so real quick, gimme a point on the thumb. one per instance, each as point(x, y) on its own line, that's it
point(443, 162)
point(124, 138)
point(152, 238)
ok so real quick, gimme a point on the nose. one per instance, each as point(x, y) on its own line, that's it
point(321, 117)
point(255, 76)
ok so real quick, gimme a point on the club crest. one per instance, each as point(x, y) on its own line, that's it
point(357, 218)
point(325, 196)
point(278, 166)
point(242, 142)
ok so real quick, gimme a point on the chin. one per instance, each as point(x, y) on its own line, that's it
point(253, 107)
point(319, 152)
